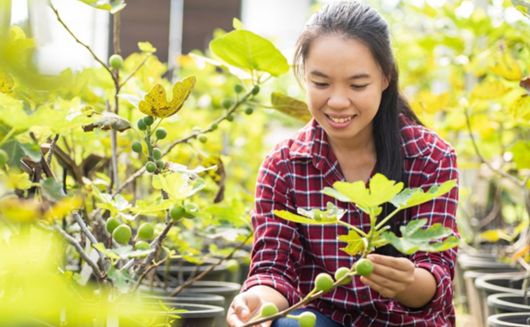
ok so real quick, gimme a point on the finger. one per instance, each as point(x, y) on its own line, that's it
point(393, 274)
point(402, 264)
point(233, 320)
point(239, 307)
point(381, 289)
point(381, 282)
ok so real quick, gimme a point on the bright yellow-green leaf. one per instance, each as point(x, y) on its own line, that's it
point(355, 242)
point(247, 50)
point(494, 235)
point(112, 6)
point(415, 238)
point(290, 106)
point(504, 65)
point(237, 24)
point(146, 47)
point(287, 215)
point(62, 208)
point(177, 185)
point(6, 83)
point(152, 208)
point(523, 6)
point(156, 104)
point(412, 197)
point(489, 89)
point(18, 210)
point(380, 191)
point(18, 180)
point(521, 151)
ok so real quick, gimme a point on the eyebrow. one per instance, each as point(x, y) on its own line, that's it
point(356, 76)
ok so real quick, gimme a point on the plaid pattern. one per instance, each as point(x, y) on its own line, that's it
point(287, 256)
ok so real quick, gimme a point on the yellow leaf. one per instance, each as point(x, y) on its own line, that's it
point(18, 210)
point(156, 104)
point(16, 180)
point(505, 65)
point(489, 89)
point(6, 83)
point(63, 208)
point(494, 235)
point(521, 252)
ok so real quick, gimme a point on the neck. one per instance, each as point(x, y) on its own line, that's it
point(363, 144)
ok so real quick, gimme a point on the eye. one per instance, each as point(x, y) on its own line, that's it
point(319, 84)
point(359, 87)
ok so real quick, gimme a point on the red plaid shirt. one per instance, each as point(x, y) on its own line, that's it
point(288, 256)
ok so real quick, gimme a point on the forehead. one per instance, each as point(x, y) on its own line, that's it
point(336, 54)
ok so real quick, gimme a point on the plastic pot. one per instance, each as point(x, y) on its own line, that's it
point(508, 302)
point(518, 319)
point(488, 284)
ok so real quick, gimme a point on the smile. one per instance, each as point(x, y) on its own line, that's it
point(340, 120)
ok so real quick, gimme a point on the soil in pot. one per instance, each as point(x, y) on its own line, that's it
point(518, 319)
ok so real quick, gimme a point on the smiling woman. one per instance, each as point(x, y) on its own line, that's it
point(361, 126)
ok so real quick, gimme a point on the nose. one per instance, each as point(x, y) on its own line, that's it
point(338, 100)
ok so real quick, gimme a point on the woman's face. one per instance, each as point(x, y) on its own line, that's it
point(344, 85)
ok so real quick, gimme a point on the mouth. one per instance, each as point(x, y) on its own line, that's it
point(340, 121)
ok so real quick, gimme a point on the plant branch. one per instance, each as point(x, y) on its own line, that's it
point(212, 125)
point(79, 41)
point(135, 71)
point(153, 266)
point(482, 159)
point(81, 252)
point(190, 281)
point(383, 222)
point(359, 231)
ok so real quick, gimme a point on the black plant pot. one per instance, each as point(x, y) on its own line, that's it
point(469, 266)
point(510, 282)
point(507, 302)
point(518, 319)
point(195, 298)
point(227, 290)
point(195, 315)
point(180, 270)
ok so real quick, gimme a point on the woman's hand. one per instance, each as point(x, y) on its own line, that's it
point(399, 279)
point(391, 276)
point(243, 308)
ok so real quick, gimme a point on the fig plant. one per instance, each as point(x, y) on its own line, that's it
point(128, 177)
point(415, 235)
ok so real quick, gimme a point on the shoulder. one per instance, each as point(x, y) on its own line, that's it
point(419, 142)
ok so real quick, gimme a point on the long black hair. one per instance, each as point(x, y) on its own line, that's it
point(357, 21)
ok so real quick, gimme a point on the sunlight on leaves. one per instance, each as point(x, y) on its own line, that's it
point(156, 104)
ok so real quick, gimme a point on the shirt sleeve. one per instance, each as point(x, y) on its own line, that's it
point(440, 210)
point(276, 250)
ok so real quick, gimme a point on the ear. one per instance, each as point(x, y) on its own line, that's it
point(386, 82)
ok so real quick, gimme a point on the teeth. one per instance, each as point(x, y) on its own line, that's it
point(340, 120)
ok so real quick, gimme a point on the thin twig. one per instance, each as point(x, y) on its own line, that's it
point(483, 160)
point(81, 252)
point(101, 62)
point(84, 228)
point(135, 71)
point(212, 267)
point(147, 271)
point(52, 145)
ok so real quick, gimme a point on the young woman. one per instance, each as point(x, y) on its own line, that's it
point(360, 126)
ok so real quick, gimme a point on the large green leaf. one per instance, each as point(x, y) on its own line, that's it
point(356, 244)
point(411, 197)
point(415, 238)
point(52, 190)
point(247, 50)
point(16, 150)
point(380, 190)
point(290, 106)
